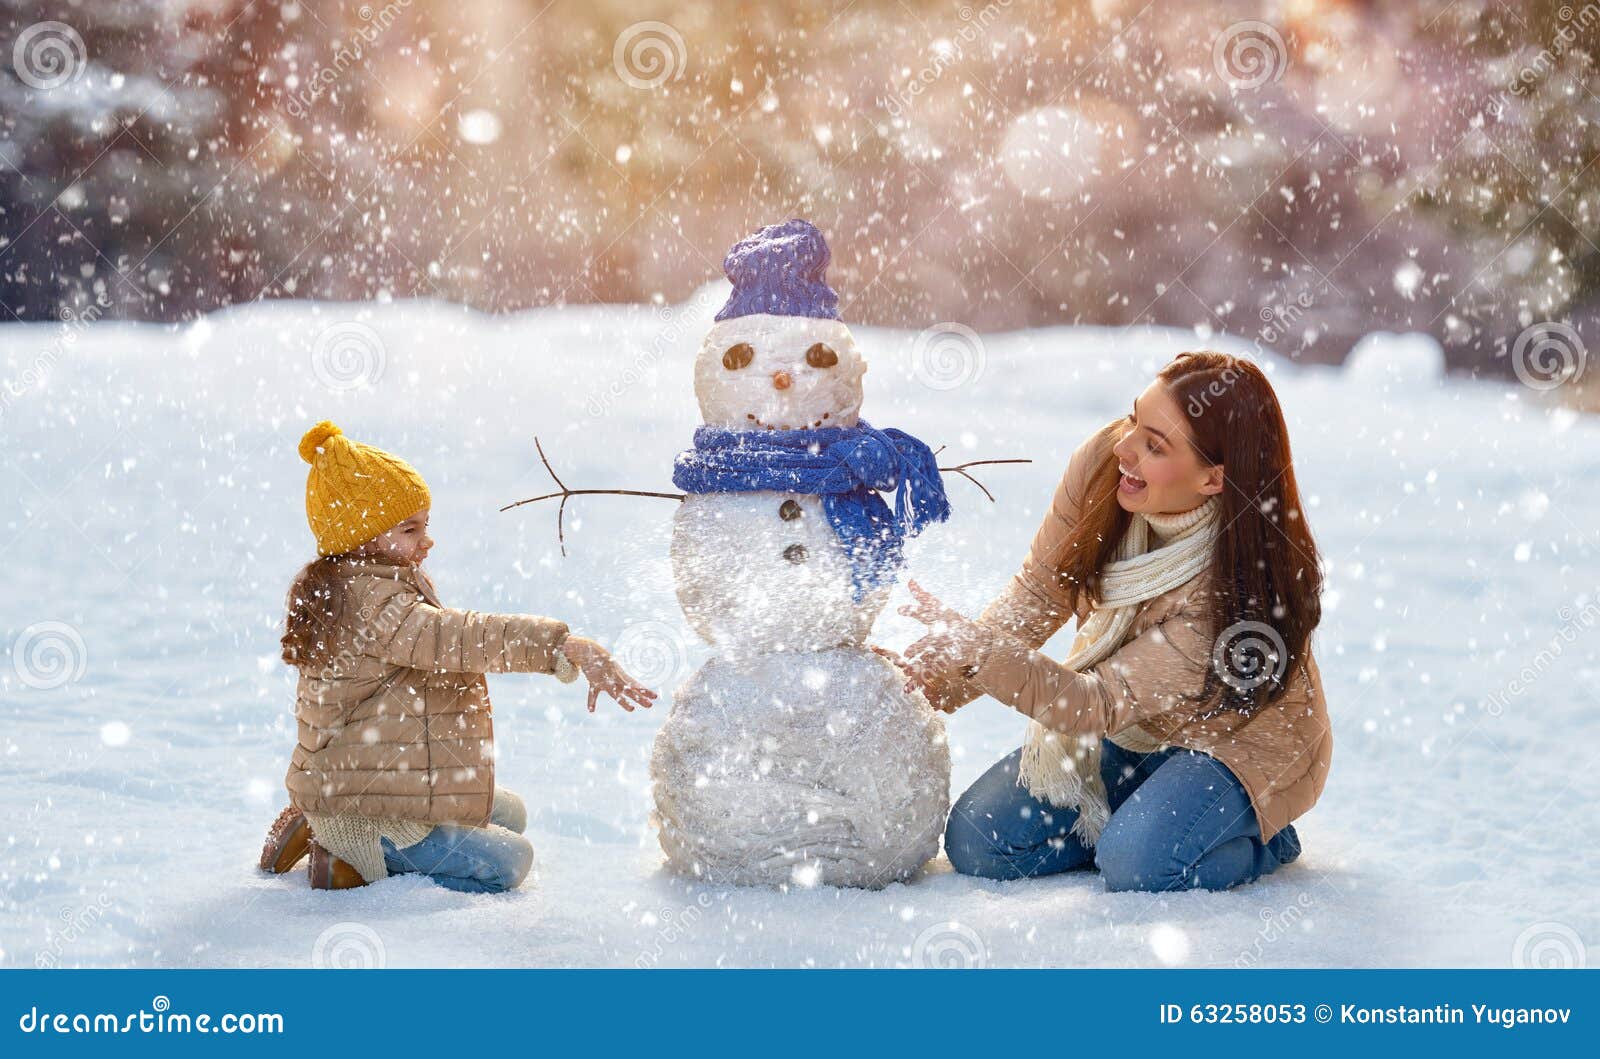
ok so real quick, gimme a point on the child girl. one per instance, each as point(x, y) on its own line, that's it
point(393, 770)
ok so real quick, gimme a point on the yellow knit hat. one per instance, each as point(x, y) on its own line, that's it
point(354, 491)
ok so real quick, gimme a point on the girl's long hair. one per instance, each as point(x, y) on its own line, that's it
point(1265, 565)
point(316, 608)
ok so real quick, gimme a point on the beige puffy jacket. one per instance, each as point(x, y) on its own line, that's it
point(1281, 754)
point(397, 724)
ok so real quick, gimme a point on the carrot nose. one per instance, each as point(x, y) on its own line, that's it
point(781, 380)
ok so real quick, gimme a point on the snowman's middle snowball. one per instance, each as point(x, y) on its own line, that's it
point(755, 575)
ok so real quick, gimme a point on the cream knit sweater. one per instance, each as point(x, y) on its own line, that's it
point(1157, 553)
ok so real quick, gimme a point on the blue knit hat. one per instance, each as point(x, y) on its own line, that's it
point(780, 270)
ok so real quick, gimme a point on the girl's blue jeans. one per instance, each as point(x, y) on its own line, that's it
point(474, 860)
point(1180, 820)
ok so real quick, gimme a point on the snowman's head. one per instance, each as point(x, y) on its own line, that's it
point(767, 372)
point(778, 357)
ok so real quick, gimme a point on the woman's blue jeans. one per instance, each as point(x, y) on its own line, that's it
point(474, 860)
point(1180, 820)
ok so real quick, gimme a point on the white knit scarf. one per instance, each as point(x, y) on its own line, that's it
point(1065, 770)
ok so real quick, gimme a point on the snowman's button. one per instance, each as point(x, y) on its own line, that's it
point(795, 553)
point(789, 510)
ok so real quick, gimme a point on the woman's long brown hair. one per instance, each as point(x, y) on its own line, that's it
point(316, 608)
point(1265, 565)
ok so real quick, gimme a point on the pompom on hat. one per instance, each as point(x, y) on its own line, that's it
point(780, 270)
point(354, 491)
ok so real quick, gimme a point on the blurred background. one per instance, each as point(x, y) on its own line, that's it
point(1297, 172)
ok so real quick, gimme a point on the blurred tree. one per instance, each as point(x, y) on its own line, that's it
point(1297, 173)
point(1521, 195)
point(124, 182)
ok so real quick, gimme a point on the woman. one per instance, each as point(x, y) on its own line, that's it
point(1187, 727)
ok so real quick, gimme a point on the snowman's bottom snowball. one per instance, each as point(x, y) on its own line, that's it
point(804, 768)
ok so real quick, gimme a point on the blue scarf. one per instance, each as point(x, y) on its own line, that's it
point(846, 466)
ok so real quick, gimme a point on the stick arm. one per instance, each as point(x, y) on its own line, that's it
point(565, 493)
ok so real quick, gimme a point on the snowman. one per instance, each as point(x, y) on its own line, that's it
point(795, 756)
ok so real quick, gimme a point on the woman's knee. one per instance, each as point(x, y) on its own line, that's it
point(966, 841)
point(1010, 835)
point(979, 832)
point(1190, 825)
point(971, 850)
point(1131, 857)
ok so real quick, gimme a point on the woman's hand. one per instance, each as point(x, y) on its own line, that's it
point(947, 692)
point(603, 674)
point(953, 642)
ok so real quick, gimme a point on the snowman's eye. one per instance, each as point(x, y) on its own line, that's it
point(820, 356)
point(738, 356)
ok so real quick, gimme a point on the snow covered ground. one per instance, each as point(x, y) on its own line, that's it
point(153, 521)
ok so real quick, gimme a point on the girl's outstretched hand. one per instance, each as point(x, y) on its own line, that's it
point(603, 674)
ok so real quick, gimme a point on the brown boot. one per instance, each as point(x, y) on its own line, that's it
point(286, 843)
point(330, 873)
